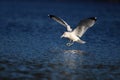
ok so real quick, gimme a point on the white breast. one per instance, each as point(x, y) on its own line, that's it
point(73, 37)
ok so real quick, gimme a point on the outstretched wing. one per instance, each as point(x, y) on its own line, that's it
point(84, 25)
point(61, 21)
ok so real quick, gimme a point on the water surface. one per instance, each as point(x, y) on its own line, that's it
point(31, 48)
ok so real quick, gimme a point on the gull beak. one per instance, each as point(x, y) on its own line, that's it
point(62, 36)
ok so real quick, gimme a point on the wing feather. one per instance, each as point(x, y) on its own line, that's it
point(61, 21)
point(84, 25)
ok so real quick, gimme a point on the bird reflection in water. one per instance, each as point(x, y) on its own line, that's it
point(71, 58)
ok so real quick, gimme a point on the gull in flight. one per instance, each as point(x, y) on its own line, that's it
point(77, 33)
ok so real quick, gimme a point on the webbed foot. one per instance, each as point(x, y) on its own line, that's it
point(69, 44)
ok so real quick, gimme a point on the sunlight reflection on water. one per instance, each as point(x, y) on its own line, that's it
point(70, 58)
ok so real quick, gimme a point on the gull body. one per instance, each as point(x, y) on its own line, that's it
point(72, 37)
point(77, 33)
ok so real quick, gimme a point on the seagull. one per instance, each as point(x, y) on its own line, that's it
point(74, 35)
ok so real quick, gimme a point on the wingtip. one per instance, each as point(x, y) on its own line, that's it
point(93, 18)
point(50, 15)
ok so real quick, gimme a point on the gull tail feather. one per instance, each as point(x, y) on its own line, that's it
point(81, 41)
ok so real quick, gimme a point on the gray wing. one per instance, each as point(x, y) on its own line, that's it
point(84, 25)
point(61, 21)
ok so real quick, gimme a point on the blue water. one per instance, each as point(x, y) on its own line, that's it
point(31, 47)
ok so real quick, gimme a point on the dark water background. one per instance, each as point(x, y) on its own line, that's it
point(31, 48)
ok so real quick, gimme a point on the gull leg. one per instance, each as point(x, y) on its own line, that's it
point(70, 43)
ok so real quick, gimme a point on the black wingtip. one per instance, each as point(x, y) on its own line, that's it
point(93, 18)
point(50, 15)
